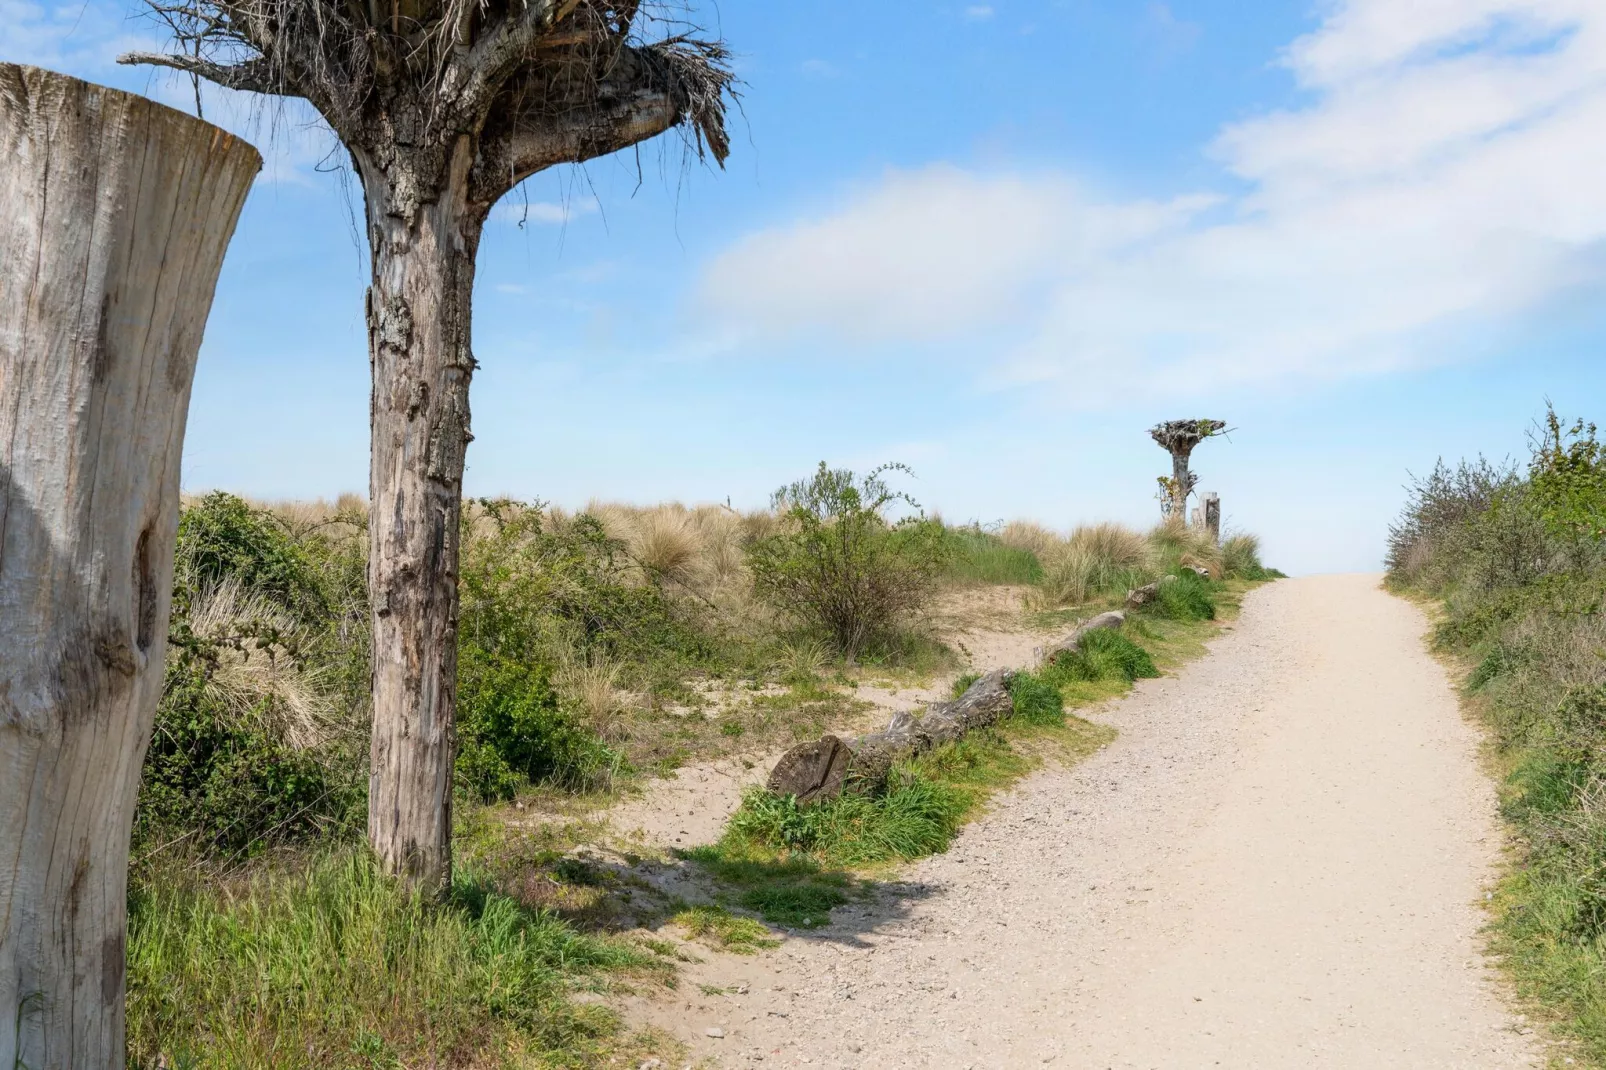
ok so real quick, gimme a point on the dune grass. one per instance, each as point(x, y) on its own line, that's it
point(979, 557)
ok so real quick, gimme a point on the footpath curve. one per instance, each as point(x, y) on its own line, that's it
point(1277, 864)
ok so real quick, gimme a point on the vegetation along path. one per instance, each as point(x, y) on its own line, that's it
point(1277, 863)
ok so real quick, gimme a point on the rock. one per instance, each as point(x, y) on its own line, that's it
point(714, 1031)
point(1142, 596)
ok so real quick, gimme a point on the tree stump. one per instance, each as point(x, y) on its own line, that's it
point(114, 216)
point(1212, 516)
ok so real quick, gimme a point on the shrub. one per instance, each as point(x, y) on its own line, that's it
point(1037, 701)
point(223, 537)
point(1184, 595)
point(839, 565)
point(514, 729)
point(1518, 563)
point(1106, 654)
point(916, 816)
point(255, 741)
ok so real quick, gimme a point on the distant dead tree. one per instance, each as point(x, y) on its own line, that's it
point(1178, 438)
point(445, 106)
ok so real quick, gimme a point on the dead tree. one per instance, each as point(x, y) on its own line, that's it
point(114, 216)
point(444, 105)
point(1178, 438)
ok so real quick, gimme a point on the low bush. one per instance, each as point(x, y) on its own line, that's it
point(915, 816)
point(838, 564)
point(1183, 595)
point(1106, 654)
point(1037, 700)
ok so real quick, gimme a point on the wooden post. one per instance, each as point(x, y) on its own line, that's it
point(1212, 516)
point(114, 216)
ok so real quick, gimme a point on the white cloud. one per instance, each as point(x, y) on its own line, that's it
point(979, 12)
point(1445, 178)
point(819, 68)
point(513, 210)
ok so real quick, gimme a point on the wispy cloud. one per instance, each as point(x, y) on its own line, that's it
point(979, 12)
point(1444, 179)
point(819, 68)
point(1168, 36)
point(547, 213)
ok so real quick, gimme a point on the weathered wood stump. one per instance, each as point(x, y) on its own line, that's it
point(114, 216)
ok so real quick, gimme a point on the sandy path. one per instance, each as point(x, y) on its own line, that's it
point(1275, 865)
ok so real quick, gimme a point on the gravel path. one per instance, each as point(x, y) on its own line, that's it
point(1277, 864)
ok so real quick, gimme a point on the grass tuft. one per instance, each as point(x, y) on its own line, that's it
point(743, 936)
point(340, 959)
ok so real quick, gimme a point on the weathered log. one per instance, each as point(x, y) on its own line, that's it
point(811, 770)
point(1142, 596)
point(114, 216)
point(1212, 516)
point(1073, 642)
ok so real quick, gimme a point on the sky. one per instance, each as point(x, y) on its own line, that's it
point(995, 242)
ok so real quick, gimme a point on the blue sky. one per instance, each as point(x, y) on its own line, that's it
point(993, 241)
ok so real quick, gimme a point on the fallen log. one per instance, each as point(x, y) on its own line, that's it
point(826, 767)
point(1073, 642)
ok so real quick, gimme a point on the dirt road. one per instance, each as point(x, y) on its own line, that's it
point(1276, 865)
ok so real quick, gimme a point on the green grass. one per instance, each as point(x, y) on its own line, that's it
point(976, 557)
point(334, 965)
point(789, 890)
point(1186, 596)
point(729, 932)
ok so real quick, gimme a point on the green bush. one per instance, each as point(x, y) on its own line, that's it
point(1518, 563)
point(1184, 595)
point(514, 730)
point(1037, 700)
point(840, 566)
point(915, 816)
point(254, 741)
point(224, 537)
point(1106, 654)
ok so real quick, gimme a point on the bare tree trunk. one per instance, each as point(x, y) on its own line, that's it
point(114, 216)
point(418, 337)
point(1181, 485)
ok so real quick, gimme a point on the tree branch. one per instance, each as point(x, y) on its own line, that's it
point(492, 60)
point(255, 75)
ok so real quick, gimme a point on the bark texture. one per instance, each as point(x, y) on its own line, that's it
point(114, 216)
point(420, 347)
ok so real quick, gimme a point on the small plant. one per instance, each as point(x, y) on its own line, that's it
point(840, 565)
